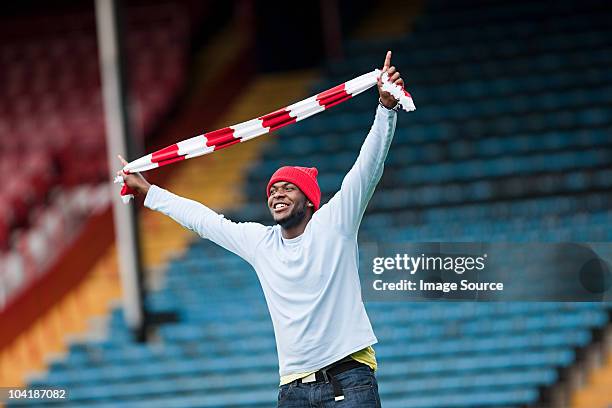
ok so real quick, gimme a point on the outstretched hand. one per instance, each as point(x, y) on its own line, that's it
point(134, 181)
point(394, 76)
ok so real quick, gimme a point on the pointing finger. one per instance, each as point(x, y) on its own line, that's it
point(387, 60)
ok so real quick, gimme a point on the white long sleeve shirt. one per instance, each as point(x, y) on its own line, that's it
point(310, 283)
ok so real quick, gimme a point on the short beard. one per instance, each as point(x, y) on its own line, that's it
point(293, 219)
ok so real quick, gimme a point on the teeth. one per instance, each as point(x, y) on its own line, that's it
point(280, 205)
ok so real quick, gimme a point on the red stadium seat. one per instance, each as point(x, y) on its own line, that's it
point(51, 112)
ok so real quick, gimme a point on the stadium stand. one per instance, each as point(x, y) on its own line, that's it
point(67, 298)
point(510, 142)
point(51, 122)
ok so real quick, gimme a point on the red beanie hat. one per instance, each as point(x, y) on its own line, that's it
point(305, 178)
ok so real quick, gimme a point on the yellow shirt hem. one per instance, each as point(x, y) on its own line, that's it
point(365, 356)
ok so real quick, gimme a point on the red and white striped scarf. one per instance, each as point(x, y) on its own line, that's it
point(225, 137)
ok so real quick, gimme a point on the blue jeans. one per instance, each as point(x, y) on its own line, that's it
point(359, 387)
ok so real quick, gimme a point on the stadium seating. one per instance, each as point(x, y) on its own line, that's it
point(509, 142)
point(515, 137)
point(51, 119)
point(495, 354)
point(51, 123)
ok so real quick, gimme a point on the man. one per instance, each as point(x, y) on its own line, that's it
point(308, 268)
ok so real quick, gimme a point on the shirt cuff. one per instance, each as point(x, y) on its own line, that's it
point(384, 111)
point(153, 196)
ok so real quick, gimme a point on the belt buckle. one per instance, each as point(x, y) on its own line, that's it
point(310, 378)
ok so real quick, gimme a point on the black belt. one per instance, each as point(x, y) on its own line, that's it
point(328, 374)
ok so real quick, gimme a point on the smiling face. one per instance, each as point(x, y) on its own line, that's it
point(287, 204)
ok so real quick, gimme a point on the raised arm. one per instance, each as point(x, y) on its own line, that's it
point(345, 210)
point(239, 238)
